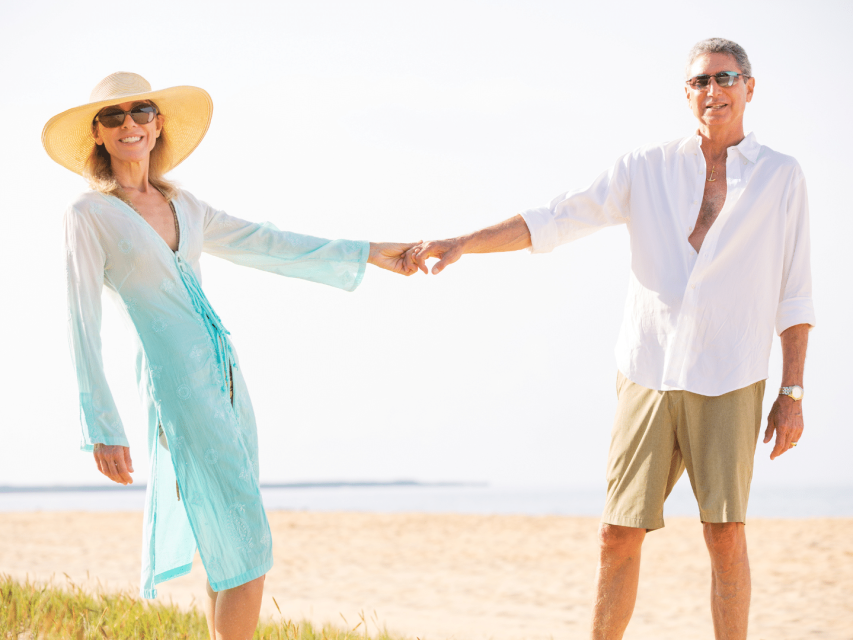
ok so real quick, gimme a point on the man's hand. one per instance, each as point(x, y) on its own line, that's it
point(447, 251)
point(786, 416)
point(114, 462)
point(392, 256)
point(786, 419)
point(509, 235)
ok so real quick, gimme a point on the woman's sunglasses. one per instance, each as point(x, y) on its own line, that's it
point(112, 117)
point(724, 79)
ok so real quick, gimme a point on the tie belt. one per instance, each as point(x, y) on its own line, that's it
point(211, 321)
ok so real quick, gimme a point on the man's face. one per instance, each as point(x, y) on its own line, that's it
point(715, 105)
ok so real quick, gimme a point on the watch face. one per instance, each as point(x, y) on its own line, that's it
point(797, 392)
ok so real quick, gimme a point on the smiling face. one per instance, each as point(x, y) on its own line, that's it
point(131, 142)
point(715, 106)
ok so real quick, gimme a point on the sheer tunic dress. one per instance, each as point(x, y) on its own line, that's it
point(209, 451)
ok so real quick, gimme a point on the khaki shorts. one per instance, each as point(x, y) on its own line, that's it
point(659, 434)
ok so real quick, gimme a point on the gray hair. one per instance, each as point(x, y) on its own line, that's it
point(720, 45)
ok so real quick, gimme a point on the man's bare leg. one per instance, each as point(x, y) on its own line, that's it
point(616, 580)
point(731, 586)
point(232, 614)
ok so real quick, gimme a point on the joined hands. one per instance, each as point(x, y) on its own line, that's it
point(407, 258)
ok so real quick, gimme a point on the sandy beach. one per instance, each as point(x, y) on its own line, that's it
point(473, 577)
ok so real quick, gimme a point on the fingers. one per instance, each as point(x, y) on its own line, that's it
point(447, 259)
point(781, 445)
point(122, 471)
point(785, 439)
point(786, 419)
point(102, 467)
point(115, 463)
point(768, 433)
point(420, 255)
point(127, 461)
point(393, 256)
point(409, 267)
point(445, 250)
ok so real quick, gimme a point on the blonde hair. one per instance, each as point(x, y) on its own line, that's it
point(99, 171)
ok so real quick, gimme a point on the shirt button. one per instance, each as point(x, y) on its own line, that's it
point(692, 286)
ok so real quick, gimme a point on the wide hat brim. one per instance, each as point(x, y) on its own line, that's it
point(67, 137)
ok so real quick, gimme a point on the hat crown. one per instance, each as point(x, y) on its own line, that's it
point(118, 85)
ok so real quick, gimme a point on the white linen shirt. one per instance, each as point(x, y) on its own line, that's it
point(697, 322)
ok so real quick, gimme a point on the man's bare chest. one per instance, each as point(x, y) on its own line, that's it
point(713, 200)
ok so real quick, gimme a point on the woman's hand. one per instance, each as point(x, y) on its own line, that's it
point(393, 257)
point(114, 462)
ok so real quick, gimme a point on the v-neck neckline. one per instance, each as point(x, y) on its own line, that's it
point(138, 216)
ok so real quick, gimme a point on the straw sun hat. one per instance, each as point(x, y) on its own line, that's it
point(67, 137)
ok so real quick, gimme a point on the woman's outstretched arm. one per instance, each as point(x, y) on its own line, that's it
point(338, 263)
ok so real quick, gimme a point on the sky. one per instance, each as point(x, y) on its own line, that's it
point(404, 121)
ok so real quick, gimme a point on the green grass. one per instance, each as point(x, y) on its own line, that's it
point(30, 611)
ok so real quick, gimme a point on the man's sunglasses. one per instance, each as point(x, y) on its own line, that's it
point(112, 117)
point(724, 79)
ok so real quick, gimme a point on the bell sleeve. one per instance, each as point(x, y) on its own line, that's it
point(84, 268)
point(338, 263)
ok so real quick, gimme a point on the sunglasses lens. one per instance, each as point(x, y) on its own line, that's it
point(725, 80)
point(111, 119)
point(142, 114)
point(699, 82)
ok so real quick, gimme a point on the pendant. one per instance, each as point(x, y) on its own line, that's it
point(711, 178)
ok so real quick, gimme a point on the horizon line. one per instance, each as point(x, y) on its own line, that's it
point(329, 484)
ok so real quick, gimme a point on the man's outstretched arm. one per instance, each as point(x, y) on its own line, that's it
point(509, 235)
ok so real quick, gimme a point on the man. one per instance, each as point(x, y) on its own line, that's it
point(719, 238)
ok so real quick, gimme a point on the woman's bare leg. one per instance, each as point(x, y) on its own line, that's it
point(210, 611)
point(232, 614)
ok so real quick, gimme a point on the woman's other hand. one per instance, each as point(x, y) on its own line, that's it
point(393, 257)
point(114, 462)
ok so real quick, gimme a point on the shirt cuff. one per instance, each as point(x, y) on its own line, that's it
point(794, 311)
point(543, 229)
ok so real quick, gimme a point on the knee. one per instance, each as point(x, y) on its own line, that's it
point(615, 540)
point(725, 540)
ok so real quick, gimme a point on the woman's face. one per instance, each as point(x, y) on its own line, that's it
point(131, 142)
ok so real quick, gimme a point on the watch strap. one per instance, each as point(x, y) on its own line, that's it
point(789, 391)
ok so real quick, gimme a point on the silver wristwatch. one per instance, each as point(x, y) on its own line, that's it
point(795, 392)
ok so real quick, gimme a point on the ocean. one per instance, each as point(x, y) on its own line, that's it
point(393, 497)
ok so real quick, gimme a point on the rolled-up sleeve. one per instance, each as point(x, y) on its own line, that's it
point(84, 269)
point(795, 295)
point(575, 214)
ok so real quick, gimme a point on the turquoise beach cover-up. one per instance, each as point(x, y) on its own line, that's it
point(183, 361)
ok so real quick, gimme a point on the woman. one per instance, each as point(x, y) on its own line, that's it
point(142, 237)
